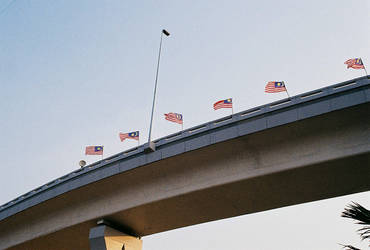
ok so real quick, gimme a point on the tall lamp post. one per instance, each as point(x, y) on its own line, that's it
point(150, 143)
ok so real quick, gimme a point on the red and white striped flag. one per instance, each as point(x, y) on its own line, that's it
point(131, 135)
point(227, 103)
point(94, 150)
point(174, 117)
point(274, 87)
point(355, 63)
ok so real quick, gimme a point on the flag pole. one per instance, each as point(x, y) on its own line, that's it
point(232, 107)
point(286, 90)
point(364, 66)
point(102, 155)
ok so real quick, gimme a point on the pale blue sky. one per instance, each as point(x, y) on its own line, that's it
point(75, 73)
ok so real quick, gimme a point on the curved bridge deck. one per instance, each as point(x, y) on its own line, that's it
point(288, 152)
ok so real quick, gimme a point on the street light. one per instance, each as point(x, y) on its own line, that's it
point(150, 143)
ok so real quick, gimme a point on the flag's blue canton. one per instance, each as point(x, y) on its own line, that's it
point(358, 61)
point(98, 148)
point(279, 84)
point(134, 134)
point(227, 101)
point(179, 116)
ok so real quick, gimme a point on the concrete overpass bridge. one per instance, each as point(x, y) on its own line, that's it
point(309, 147)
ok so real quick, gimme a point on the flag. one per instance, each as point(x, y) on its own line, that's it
point(173, 117)
point(274, 87)
point(355, 63)
point(227, 103)
point(94, 150)
point(131, 135)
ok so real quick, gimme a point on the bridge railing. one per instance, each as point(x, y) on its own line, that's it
point(200, 129)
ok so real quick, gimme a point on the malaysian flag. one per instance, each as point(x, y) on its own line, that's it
point(131, 135)
point(227, 103)
point(173, 117)
point(94, 150)
point(355, 63)
point(274, 87)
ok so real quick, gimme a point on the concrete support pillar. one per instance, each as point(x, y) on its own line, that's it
point(103, 237)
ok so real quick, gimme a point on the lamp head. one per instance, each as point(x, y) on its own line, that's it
point(166, 32)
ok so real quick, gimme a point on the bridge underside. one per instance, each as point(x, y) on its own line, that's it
point(316, 158)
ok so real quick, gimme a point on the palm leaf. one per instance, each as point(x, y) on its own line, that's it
point(349, 247)
point(357, 212)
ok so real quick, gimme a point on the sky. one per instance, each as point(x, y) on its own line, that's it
point(76, 73)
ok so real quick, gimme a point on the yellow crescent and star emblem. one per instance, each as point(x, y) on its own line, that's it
point(133, 134)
